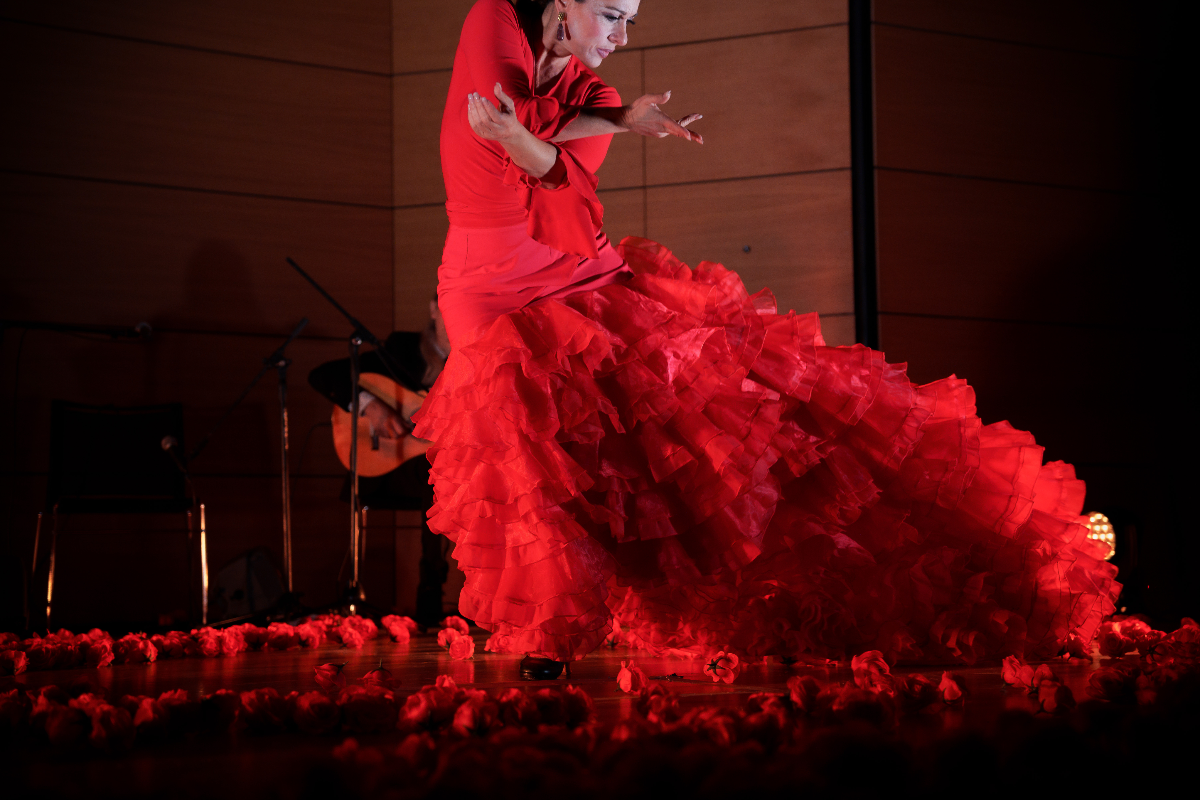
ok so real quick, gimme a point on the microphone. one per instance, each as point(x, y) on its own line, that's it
point(171, 446)
point(144, 331)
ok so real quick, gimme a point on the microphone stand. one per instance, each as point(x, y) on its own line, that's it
point(289, 603)
point(355, 596)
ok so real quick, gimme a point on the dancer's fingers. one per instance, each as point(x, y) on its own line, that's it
point(506, 102)
point(676, 129)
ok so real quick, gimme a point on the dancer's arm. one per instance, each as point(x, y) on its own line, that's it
point(643, 116)
point(537, 158)
point(531, 154)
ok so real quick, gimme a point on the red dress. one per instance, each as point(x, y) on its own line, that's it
point(632, 447)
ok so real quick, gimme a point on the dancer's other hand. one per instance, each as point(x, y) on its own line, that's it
point(489, 122)
point(643, 116)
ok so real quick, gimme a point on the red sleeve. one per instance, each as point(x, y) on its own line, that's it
point(570, 216)
point(590, 151)
point(497, 51)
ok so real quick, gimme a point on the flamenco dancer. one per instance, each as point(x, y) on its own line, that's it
point(628, 447)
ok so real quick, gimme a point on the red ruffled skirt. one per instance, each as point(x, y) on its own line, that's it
point(670, 461)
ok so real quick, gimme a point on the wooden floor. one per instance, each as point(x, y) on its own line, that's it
point(266, 766)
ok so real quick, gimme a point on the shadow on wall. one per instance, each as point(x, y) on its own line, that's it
point(216, 284)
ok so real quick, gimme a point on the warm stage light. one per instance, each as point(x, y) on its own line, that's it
point(1100, 529)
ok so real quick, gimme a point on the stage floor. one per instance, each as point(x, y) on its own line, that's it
point(280, 765)
point(422, 660)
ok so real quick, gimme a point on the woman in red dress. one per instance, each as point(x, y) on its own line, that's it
point(625, 446)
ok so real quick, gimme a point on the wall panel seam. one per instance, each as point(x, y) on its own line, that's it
point(1015, 181)
point(195, 189)
point(996, 40)
point(733, 178)
point(431, 204)
point(416, 72)
point(193, 48)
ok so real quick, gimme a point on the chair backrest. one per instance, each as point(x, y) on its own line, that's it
point(107, 459)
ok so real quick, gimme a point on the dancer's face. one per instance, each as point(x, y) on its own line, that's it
point(595, 28)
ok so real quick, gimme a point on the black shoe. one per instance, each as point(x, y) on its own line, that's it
point(540, 669)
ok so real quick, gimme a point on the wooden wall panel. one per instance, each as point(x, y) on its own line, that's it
point(109, 108)
point(425, 35)
point(965, 247)
point(771, 104)
point(797, 229)
point(100, 253)
point(625, 162)
point(417, 105)
point(838, 329)
point(420, 236)
point(963, 106)
point(352, 34)
point(1098, 26)
point(624, 213)
point(666, 22)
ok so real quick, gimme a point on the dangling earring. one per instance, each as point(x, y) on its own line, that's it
point(561, 34)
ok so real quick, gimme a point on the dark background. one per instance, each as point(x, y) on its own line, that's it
point(158, 161)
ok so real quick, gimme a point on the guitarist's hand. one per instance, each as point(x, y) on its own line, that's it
point(383, 421)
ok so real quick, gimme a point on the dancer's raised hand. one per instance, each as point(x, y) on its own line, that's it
point(643, 116)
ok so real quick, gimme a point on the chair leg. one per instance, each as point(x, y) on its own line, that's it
point(53, 556)
point(203, 569)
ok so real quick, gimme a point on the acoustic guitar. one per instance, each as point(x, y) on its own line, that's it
point(379, 455)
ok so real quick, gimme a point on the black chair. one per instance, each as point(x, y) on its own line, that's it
point(111, 460)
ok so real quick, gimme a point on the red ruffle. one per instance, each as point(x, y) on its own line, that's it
point(566, 217)
point(671, 456)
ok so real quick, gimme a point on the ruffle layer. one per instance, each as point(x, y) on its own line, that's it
point(566, 217)
point(671, 456)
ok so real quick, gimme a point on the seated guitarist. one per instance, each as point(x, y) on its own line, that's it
point(387, 414)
